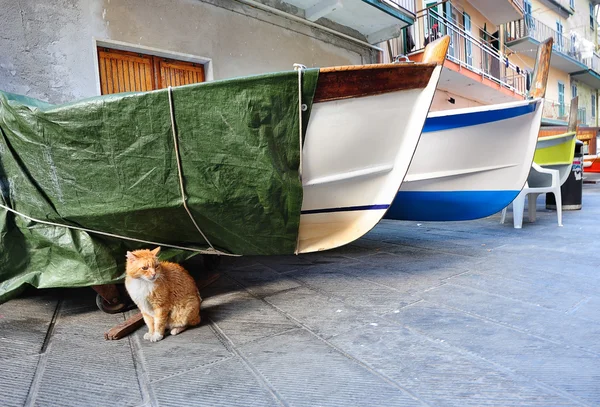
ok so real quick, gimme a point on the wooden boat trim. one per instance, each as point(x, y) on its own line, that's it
point(573, 116)
point(367, 80)
point(541, 70)
point(343, 82)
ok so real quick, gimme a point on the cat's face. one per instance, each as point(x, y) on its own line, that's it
point(143, 264)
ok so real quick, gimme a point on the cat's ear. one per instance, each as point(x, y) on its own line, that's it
point(156, 251)
point(130, 256)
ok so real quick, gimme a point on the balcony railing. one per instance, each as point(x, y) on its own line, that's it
point(568, 45)
point(519, 4)
point(466, 49)
point(560, 111)
point(405, 4)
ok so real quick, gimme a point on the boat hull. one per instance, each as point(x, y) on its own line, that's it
point(469, 163)
point(356, 153)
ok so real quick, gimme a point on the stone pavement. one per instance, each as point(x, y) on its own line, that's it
point(413, 314)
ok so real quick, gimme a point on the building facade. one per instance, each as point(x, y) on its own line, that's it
point(50, 50)
point(493, 52)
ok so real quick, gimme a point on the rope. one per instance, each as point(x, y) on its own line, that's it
point(301, 108)
point(183, 196)
point(97, 232)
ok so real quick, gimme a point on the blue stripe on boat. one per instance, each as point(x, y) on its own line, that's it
point(453, 121)
point(345, 209)
point(448, 205)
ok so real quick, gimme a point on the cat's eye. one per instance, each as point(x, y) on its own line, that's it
point(145, 268)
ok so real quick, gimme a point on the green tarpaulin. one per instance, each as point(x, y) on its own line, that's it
point(109, 164)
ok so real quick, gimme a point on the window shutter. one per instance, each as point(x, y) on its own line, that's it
point(122, 71)
point(177, 73)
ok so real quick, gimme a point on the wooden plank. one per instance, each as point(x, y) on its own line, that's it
point(128, 86)
point(131, 69)
point(123, 329)
point(366, 80)
point(148, 76)
point(171, 77)
point(178, 77)
point(122, 86)
point(102, 71)
point(138, 78)
point(114, 76)
point(159, 80)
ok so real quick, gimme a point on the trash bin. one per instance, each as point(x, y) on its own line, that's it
point(572, 189)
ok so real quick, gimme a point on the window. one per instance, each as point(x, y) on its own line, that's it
point(591, 16)
point(561, 100)
point(123, 71)
point(573, 90)
point(559, 31)
point(529, 14)
point(593, 105)
point(468, 44)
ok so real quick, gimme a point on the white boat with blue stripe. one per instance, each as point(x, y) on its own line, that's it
point(469, 163)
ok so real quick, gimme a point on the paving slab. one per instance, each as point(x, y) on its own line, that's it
point(413, 314)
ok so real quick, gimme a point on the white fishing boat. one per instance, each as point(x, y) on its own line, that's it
point(359, 144)
point(470, 163)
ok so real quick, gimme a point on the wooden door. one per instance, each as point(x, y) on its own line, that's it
point(124, 71)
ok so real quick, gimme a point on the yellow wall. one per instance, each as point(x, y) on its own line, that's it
point(553, 77)
point(545, 14)
point(585, 101)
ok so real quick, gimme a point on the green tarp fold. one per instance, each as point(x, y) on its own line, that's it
point(109, 164)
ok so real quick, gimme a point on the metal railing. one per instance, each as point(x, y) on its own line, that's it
point(519, 4)
point(465, 49)
point(560, 111)
point(405, 4)
point(565, 44)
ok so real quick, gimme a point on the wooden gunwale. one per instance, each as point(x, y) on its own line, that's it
point(354, 81)
point(366, 80)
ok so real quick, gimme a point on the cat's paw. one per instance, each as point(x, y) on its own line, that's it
point(147, 336)
point(176, 331)
point(155, 337)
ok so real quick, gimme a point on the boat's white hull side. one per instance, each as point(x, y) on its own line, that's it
point(355, 156)
point(466, 171)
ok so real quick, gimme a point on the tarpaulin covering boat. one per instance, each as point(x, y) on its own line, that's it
point(207, 168)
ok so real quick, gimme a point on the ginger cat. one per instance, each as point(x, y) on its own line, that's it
point(165, 293)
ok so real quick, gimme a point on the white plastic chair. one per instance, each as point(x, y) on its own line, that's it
point(540, 181)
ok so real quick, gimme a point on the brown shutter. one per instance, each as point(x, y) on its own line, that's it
point(122, 71)
point(177, 73)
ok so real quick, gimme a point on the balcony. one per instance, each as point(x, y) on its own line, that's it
point(569, 55)
point(500, 11)
point(590, 76)
point(557, 113)
point(370, 20)
point(473, 68)
point(562, 7)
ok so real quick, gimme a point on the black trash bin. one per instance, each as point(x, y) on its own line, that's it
point(572, 189)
